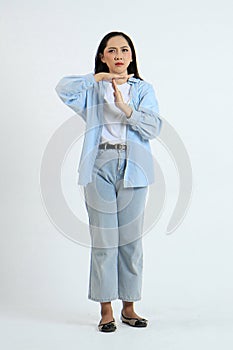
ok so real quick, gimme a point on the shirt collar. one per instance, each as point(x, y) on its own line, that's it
point(132, 80)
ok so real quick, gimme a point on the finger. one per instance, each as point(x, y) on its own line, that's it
point(114, 85)
point(119, 76)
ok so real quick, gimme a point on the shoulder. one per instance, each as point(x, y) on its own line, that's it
point(140, 84)
point(142, 87)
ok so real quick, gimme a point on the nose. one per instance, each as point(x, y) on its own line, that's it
point(117, 57)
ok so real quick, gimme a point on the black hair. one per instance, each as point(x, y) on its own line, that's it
point(102, 67)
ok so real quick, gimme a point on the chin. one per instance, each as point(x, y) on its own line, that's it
point(119, 71)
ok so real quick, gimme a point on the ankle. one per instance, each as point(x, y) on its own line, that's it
point(106, 309)
point(106, 313)
point(128, 305)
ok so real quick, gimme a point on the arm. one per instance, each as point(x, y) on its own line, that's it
point(73, 89)
point(145, 118)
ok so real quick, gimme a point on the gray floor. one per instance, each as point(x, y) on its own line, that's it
point(171, 328)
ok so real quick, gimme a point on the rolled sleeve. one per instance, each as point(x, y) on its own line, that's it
point(73, 89)
point(145, 118)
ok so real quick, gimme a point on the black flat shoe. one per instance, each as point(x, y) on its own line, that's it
point(134, 322)
point(107, 327)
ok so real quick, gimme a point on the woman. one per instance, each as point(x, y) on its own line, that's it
point(121, 115)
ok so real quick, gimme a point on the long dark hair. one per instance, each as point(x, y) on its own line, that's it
point(102, 67)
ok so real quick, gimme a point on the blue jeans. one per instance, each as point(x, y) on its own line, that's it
point(116, 226)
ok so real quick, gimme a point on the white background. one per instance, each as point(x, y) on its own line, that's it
point(184, 49)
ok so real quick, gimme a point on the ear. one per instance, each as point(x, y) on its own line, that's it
point(102, 58)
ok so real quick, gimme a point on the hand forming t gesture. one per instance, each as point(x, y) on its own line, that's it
point(119, 102)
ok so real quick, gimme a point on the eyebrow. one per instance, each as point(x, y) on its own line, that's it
point(112, 47)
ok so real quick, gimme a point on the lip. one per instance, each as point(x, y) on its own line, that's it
point(119, 64)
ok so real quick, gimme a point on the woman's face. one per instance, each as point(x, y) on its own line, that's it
point(117, 55)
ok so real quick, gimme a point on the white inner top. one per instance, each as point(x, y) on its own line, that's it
point(114, 128)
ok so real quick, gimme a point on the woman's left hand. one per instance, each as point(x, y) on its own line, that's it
point(119, 102)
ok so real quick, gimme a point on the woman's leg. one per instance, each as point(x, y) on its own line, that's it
point(131, 206)
point(128, 310)
point(103, 279)
point(100, 197)
point(106, 312)
point(130, 251)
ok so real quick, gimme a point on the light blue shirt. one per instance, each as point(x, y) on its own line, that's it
point(86, 97)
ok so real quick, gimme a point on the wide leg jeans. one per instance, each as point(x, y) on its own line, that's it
point(116, 227)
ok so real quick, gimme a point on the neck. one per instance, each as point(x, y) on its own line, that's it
point(121, 81)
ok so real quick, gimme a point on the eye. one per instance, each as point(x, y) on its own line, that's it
point(111, 50)
point(125, 50)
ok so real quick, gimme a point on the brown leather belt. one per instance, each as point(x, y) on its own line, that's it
point(117, 146)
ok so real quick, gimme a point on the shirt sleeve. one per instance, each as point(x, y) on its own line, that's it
point(73, 89)
point(145, 118)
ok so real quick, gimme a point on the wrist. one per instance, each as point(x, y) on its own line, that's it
point(128, 115)
point(127, 110)
point(98, 77)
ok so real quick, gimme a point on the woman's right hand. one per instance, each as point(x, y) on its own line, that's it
point(109, 76)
